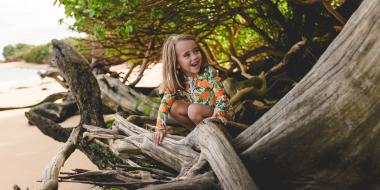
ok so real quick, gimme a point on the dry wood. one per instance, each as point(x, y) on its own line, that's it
point(241, 66)
point(117, 95)
point(220, 154)
point(48, 127)
point(203, 181)
point(75, 69)
point(180, 155)
point(243, 91)
point(144, 64)
point(129, 72)
point(50, 98)
point(51, 172)
point(54, 74)
point(323, 133)
point(296, 49)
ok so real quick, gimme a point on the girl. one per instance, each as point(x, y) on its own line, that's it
point(192, 90)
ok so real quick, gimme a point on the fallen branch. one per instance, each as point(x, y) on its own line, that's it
point(296, 49)
point(51, 172)
point(50, 98)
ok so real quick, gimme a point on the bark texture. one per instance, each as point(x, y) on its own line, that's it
point(75, 69)
point(323, 134)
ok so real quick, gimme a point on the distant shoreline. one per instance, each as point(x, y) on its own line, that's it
point(152, 75)
point(23, 64)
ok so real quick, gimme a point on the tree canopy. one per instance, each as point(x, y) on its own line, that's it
point(257, 33)
point(281, 39)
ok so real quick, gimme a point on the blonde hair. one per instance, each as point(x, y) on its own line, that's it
point(172, 78)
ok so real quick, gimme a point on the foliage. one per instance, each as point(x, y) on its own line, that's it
point(26, 52)
point(122, 29)
point(40, 53)
point(125, 28)
point(37, 54)
point(11, 50)
point(109, 123)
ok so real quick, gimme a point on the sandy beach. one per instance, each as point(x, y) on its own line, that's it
point(24, 149)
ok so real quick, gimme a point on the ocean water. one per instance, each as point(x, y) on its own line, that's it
point(12, 78)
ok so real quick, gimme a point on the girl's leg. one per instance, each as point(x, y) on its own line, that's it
point(198, 112)
point(179, 113)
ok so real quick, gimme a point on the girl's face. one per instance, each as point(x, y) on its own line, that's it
point(189, 56)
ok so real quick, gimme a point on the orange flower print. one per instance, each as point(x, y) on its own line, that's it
point(204, 83)
point(218, 79)
point(205, 95)
point(169, 101)
point(213, 101)
point(163, 108)
point(159, 124)
point(197, 83)
point(219, 93)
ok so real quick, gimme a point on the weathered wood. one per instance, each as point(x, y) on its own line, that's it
point(125, 79)
point(203, 181)
point(51, 172)
point(296, 50)
point(324, 133)
point(220, 154)
point(144, 64)
point(76, 71)
point(56, 112)
point(54, 74)
point(183, 155)
point(115, 94)
point(50, 98)
point(48, 127)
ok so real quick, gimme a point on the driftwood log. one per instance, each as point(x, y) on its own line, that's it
point(49, 99)
point(321, 135)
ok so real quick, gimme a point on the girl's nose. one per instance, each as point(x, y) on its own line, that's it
point(193, 56)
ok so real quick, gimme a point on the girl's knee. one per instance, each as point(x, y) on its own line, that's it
point(179, 108)
point(197, 112)
point(192, 113)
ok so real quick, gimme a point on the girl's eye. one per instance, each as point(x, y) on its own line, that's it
point(186, 55)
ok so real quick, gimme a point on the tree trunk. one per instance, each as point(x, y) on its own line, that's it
point(324, 133)
point(76, 71)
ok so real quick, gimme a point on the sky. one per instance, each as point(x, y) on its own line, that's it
point(32, 22)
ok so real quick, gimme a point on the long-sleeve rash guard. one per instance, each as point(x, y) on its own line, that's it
point(203, 88)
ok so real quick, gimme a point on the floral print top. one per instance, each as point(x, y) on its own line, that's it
point(205, 88)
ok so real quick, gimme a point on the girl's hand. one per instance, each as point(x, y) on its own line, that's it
point(222, 118)
point(158, 136)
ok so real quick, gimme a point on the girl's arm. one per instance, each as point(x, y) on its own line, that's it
point(222, 102)
point(163, 111)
